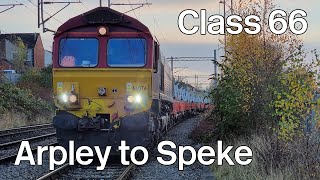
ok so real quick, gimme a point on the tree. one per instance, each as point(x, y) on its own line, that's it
point(257, 71)
point(21, 55)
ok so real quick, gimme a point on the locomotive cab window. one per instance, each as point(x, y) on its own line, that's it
point(126, 52)
point(78, 52)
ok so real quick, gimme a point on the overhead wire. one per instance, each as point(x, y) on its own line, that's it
point(84, 5)
point(32, 11)
point(45, 12)
point(133, 10)
point(27, 8)
point(141, 40)
point(156, 22)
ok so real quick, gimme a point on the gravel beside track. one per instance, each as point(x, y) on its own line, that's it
point(179, 135)
point(111, 171)
point(8, 170)
point(26, 171)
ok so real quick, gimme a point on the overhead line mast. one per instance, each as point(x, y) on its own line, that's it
point(225, 16)
point(42, 20)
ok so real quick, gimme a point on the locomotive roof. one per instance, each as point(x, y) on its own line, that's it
point(102, 16)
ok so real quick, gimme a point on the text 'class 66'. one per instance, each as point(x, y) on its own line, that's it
point(279, 22)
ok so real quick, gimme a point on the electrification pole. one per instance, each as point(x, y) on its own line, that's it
point(231, 6)
point(172, 76)
point(41, 18)
point(215, 81)
point(225, 33)
point(225, 23)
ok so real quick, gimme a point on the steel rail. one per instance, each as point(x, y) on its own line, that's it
point(61, 171)
point(12, 156)
point(3, 132)
point(23, 132)
point(126, 173)
point(26, 139)
point(55, 173)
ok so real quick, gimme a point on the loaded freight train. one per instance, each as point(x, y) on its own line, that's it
point(111, 83)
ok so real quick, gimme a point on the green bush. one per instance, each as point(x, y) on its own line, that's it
point(39, 82)
point(42, 77)
point(14, 99)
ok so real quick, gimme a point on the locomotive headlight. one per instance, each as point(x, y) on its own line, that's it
point(68, 98)
point(135, 99)
point(73, 98)
point(131, 99)
point(103, 31)
point(64, 98)
point(138, 99)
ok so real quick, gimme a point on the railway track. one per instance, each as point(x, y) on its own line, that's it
point(9, 150)
point(24, 129)
point(112, 171)
point(15, 134)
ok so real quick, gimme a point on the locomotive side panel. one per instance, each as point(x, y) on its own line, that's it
point(168, 89)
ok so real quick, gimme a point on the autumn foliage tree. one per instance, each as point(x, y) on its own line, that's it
point(268, 99)
point(21, 55)
point(266, 86)
point(268, 96)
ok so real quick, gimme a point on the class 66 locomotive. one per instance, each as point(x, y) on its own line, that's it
point(111, 83)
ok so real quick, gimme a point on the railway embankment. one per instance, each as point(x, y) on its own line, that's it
point(28, 101)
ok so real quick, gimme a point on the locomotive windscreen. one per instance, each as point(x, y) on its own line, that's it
point(126, 52)
point(78, 52)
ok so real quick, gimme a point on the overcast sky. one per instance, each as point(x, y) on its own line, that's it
point(161, 18)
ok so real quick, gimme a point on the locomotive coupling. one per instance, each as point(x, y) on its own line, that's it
point(68, 121)
point(90, 123)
